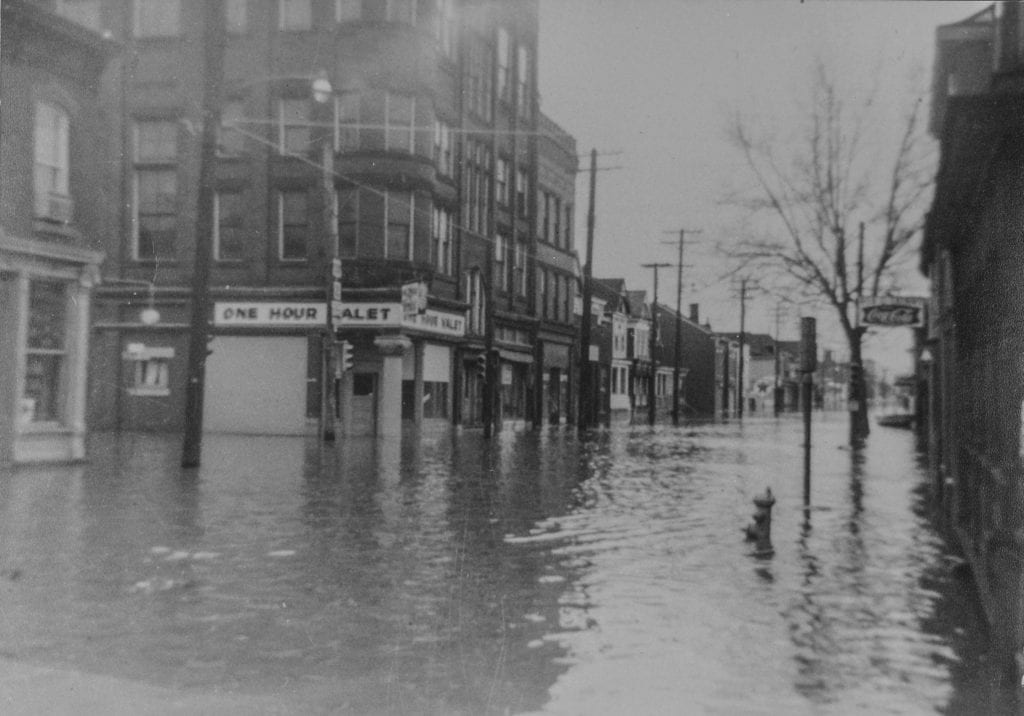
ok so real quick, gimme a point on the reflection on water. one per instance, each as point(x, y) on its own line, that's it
point(538, 572)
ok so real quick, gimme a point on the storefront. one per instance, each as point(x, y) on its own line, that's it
point(44, 323)
point(555, 380)
point(402, 366)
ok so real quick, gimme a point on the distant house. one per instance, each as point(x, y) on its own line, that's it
point(52, 216)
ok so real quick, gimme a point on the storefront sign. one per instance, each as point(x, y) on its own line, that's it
point(269, 314)
point(380, 315)
point(893, 312)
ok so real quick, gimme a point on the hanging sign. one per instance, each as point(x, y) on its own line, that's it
point(893, 311)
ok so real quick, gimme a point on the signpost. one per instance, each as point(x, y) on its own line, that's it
point(808, 364)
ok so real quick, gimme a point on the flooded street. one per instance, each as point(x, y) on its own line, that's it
point(538, 573)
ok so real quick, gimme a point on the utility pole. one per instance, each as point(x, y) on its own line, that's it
point(652, 380)
point(679, 324)
point(490, 366)
point(213, 76)
point(743, 328)
point(586, 411)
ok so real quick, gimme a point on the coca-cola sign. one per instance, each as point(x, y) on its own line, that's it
point(893, 312)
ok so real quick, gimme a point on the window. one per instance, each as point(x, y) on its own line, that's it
point(293, 225)
point(229, 217)
point(151, 369)
point(295, 15)
point(475, 298)
point(445, 29)
point(556, 213)
point(523, 81)
point(157, 18)
point(348, 10)
point(348, 222)
point(501, 178)
point(519, 268)
point(435, 399)
point(236, 16)
point(500, 270)
point(400, 114)
point(42, 397)
point(567, 228)
point(521, 181)
point(399, 211)
point(156, 189)
point(84, 12)
point(479, 70)
point(478, 182)
point(346, 109)
point(443, 157)
point(443, 231)
point(544, 292)
point(504, 50)
point(293, 126)
point(51, 163)
point(231, 141)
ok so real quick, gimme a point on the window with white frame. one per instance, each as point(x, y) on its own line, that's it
point(295, 15)
point(348, 10)
point(443, 231)
point(443, 155)
point(236, 16)
point(293, 127)
point(155, 189)
point(348, 222)
point(42, 395)
point(51, 171)
point(377, 120)
point(229, 217)
point(479, 83)
point(157, 18)
point(293, 225)
point(84, 12)
point(149, 369)
point(566, 242)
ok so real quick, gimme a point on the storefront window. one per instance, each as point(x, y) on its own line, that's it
point(45, 354)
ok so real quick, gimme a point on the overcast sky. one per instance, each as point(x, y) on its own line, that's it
point(653, 79)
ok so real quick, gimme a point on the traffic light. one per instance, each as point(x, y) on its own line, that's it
point(481, 364)
point(345, 359)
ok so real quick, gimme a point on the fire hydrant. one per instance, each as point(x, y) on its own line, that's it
point(760, 530)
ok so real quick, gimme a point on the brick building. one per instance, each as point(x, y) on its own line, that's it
point(971, 355)
point(52, 223)
point(446, 179)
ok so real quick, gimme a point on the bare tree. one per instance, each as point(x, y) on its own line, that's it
point(841, 216)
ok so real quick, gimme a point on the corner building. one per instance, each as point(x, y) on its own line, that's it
point(52, 218)
point(434, 132)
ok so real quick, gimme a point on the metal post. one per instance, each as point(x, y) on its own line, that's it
point(743, 328)
point(213, 75)
point(808, 364)
point(490, 369)
point(586, 398)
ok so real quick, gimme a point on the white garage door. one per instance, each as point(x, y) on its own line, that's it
point(256, 385)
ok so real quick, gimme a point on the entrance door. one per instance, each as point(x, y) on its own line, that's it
point(364, 404)
point(256, 385)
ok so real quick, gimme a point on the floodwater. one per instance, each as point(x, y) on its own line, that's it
point(536, 573)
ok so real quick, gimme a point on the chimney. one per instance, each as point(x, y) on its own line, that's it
point(695, 313)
